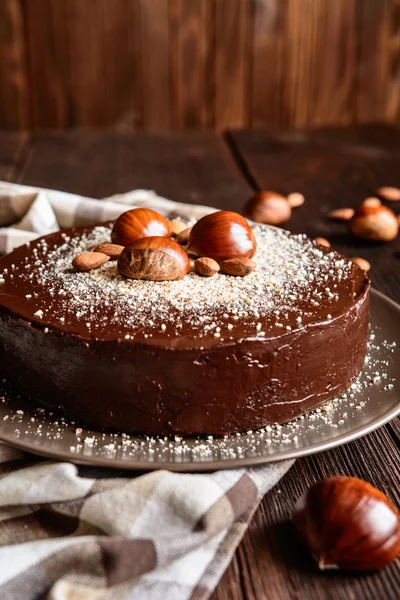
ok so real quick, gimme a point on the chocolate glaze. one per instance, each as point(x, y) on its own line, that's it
point(159, 382)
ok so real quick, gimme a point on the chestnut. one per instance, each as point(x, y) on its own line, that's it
point(347, 523)
point(139, 223)
point(377, 223)
point(154, 258)
point(222, 235)
point(270, 208)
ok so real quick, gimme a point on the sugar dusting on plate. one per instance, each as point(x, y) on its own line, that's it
point(46, 429)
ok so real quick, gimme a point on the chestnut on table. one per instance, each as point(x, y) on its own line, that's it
point(348, 524)
point(374, 222)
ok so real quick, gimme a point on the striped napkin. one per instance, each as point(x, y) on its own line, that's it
point(77, 533)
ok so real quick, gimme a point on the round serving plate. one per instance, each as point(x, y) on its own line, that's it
point(370, 403)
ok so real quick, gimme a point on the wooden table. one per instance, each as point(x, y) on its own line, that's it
point(337, 167)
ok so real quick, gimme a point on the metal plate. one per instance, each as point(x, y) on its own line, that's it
point(371, 403)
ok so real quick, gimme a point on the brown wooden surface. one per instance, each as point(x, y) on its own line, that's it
point(174, 64)
point(232, 61)
point(14, 100)
point(196, 169)
point(12, 154)
point(333, 168)
point(191, 53)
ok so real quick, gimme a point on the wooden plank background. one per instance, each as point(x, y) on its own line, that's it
point(162, 65)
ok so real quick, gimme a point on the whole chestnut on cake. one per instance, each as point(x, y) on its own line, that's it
point(222, 235)
point(270, 208)
point(377, 223)
point(154, 258)
point(347, 523)
point(139, 223)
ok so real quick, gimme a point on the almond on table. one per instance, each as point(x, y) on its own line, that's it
point(295, 199)
point(389, 193)
point(341, 214)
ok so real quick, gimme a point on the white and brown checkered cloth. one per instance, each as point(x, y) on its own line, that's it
point(69, 533)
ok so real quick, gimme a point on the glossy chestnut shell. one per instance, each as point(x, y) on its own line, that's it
point(375, 223)
point(139, 223)
point(222, 235)
point(154, 258)
point(268, 207)
point(347, 523)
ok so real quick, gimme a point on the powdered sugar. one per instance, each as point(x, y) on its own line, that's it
point(294, 283)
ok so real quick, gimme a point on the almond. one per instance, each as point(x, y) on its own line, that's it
point(206, 266)
point(88, 261)
point(390, 193)
point(183, 237)
point(295, 199)
point(240, 267)
point(111, 250)
point(323, 242)
point(177, 226)
point(361, 262)
point(341, 214)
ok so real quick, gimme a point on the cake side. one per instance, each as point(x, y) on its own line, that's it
point(131, 387)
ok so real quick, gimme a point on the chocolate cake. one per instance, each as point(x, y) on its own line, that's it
point(193, 356)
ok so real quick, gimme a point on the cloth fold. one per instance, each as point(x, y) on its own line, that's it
point(27, 212)
point(69, 533)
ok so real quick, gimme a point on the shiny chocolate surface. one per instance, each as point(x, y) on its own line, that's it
point(213, 355)
point(369, 403)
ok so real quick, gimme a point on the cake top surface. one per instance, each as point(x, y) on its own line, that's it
point(296, 284)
